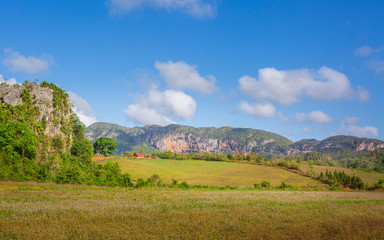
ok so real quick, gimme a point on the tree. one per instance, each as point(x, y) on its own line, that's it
point(15, 138)
point(105, 146)
point(128, 154)
point(142, 151)
point(83, 149)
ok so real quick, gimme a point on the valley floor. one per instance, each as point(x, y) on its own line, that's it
point(214, 173)
point(49, 211)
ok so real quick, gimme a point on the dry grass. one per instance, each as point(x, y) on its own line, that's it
point(47, 211)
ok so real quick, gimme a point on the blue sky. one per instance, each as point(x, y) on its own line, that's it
point(303, 69)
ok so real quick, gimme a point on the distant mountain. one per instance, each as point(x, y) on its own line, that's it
point(179, 138)
point(336, 144)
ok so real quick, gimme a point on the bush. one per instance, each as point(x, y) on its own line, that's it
point(184, 185)
point(140, 183)
point(83, 149)
point(265, 184)
point(284, 186)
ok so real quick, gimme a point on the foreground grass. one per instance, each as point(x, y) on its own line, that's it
point(197, 172)
point(46, 211)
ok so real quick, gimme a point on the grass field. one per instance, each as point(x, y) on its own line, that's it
point(47, 211)
point(196, 172)
point(367, 177)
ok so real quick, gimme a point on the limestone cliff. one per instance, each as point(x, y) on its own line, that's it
point(44, 107)
point(184, 139)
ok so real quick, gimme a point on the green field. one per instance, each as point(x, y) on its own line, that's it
point(367, 177)
point(48, 211)
point(196, 172)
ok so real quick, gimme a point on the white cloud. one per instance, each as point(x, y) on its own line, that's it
point(351, 120)
point(83, 110)
point(289, 87)
point(363, 94)
point(157, 107)
point(19, 63)
point(376, 65)
point(147, 116)
point(307, 131)
point(349, 126)
point(366, 131)
point(314, 117)
point(263, 110)
point(180, 75)
point(365, 51)
point(11, 81)
point(196, 8)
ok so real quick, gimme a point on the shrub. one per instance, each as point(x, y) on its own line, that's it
point(140, 183)
point(184, 185)
point(265, 184)
point(284, 185)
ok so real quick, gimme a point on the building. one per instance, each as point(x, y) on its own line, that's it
point(137, 155)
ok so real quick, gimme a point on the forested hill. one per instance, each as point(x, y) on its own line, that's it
point(178, 138)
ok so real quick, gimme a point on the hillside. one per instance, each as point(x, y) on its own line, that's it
point(336, 143)
point(180, 139)
point(183, 139)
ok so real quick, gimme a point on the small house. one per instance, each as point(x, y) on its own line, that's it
point(137, 155)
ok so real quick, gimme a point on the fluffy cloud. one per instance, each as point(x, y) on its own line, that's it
point(289, 87)
point(156, 107)
point(180, 75)
point(11, 81)
point(147, 116)
point(350, 126)
point(196, 8)
point(263, 110)
point(83, 110)
point(314, 117)
point(19, 63)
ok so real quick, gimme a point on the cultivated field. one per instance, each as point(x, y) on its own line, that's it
point(47, 211)
point(196, 172)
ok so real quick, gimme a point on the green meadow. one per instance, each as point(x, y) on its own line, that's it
point(49, 211)
point(368, 177)
point(213, 173)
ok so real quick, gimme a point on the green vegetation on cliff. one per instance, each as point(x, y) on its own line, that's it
point(41, 139)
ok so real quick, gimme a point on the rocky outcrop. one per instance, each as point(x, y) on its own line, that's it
point(45, 108)
point(41, 97)
point(369, 146)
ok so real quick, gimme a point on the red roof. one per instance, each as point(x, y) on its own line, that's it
point(138, 155)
